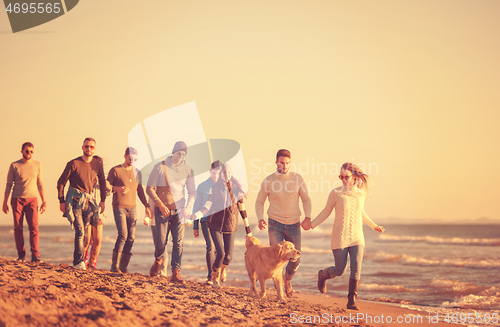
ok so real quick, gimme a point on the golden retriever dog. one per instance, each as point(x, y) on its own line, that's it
point(266, 262)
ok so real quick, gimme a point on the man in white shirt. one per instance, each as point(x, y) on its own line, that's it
point(166, 185)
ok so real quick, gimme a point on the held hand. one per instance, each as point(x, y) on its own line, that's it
point(102, 205)
point(149, 214)
point(43, 207)
point(185, 212)
point(121, 189)
point(193, 217)
point(146, 221)
point(306, 223)
point(5, 208)
point(108, 186)
point(196, 233)
point(379, 229)
point(262, 224)
point(163, 209)
point(62, 207)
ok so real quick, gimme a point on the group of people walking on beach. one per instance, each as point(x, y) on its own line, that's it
point(173, 198)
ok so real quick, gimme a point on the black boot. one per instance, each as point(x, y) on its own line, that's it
point(155, 268)
point(323, 275)
point(125, 259)
point(115, 260)
point(353, 293)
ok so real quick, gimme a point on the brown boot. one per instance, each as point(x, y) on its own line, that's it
point(155, 268)
point(92, 263)
point(114, 260)
point(215, 277)
point(124, 262)
point(223, 274)
point(288, 285)
point(176, 277)
point(323, 275)
point(353, 293)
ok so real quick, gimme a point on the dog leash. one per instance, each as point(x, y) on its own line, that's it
point(241, 208)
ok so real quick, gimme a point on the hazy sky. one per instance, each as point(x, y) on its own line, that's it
point(406, 89)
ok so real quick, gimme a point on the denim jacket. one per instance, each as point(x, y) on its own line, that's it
point(81, 198)
point(201, 198)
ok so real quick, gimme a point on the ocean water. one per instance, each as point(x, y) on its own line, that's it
point(433, 268)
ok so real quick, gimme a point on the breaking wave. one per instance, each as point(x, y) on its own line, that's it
point(405, 259)
point(440, 240)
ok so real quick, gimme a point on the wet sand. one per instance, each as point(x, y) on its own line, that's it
point(59, 295)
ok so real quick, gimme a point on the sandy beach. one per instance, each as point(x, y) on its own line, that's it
point(59, 295)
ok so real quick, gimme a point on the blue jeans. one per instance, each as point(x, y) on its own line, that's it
point(280, 232)
point(224, 245)
point(82, 220)
point(125, 220)
point(160, 236)
point(210, 255)
point(340, 255)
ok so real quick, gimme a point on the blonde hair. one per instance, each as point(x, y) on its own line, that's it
point(360, 178)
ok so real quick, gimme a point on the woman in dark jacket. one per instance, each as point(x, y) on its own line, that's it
point(224, 202)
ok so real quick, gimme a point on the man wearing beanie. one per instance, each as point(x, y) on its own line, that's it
point(167, 182)
point(283, 188)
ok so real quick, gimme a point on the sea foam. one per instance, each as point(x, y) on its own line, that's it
point(422, 261)
point(440, 240)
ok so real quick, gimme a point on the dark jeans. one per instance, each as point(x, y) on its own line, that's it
point(280, 232)
point(160, 236)
point(210, 255)
point(126, 221)
point(26, 207)
point(224, 245)
point(82, 220)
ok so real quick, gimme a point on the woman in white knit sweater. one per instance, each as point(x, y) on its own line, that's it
point(347, 232)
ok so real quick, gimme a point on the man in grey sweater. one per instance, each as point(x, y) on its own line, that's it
point(26, 177)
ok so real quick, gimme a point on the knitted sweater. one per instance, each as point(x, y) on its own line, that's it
point(283, 191)
point(26, 178)
point(350, 214)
